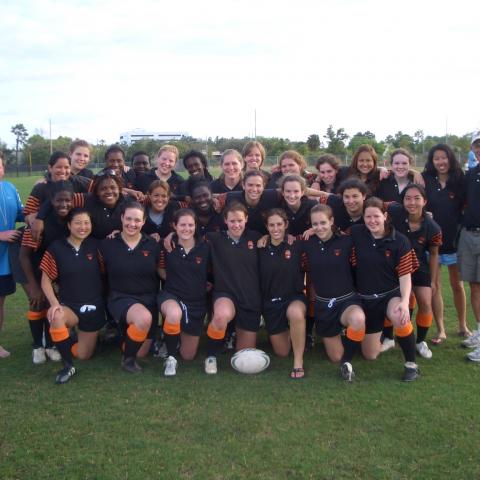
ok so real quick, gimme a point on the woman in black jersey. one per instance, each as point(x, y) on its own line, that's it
point(231, 163)
point(390, 189)
point(425, 236)
point(72, 262)
point(183, 300)
point(79, 152)
point(445, 187)
point(384, 262)
point(329, 257)
point(283, 300)
point(131, 260)
point(208, 220)
point(329, 173)
point(30, 256)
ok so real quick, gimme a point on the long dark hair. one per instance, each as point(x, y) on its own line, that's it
point(455, 172)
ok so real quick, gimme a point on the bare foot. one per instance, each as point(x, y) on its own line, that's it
point(4, 353)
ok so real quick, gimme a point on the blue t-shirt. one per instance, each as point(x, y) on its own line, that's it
point(11, 211)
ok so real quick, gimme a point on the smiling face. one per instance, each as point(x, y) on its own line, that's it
point(80, 226)
point(166, 162)
point(321, 225)
point(115, 161)
point(400, 165)
point(185, 227)
point(414, 202)
point(231, 166)
point(141, 164)
point(277, 228)
point(158, 199)
point(60, 170)
point(375, 219)
point(353, 200)
point(292, 193)
point(194, 166)
point(253, 187)
point(253, 159)
point(132, 222)
point(327, 174)
point(108, 192)
point(202, 199)
point(289, 166)
point(235, 221)
point(62, 203)
point(365, 163)
point(440, 162)
point(80, 158)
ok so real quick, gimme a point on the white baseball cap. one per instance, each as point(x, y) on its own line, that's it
point(475, 137)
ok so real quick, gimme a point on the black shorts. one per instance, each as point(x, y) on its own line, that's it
point(376, 310)
point(119, 303)
point(14, 258)
point(91, 316)
point(245, 319)
point(274, 312)
point(7, 285)
point(193, 313)
point(421, 278)
point(328, 314)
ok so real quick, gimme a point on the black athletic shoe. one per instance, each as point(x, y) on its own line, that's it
point(65, 374)
point(346, 371)
point(130, 365)
point(410, 374)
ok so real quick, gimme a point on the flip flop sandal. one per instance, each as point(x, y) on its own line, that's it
point(297, 373)
point(438, 340)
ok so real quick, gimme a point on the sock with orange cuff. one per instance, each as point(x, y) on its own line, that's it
point(424, 322)
point(133, 341)
point(172, 334)
point(406, 340)
point(36, 321)
point(63, 342)
point(351, 343)
point(214, 340)
point(387, 329)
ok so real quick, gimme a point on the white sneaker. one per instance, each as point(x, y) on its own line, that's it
point(211, 365)
point(475, 355)
point(473, 341)
point(387, 344)
point(53, 354)
point(170, 367)
point(423, 350)
point(38, 356)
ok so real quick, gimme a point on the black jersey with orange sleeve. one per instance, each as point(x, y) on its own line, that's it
point(104, 219)
point(299, 221)
point(213, 223)
point(428, 235)
point(341, 217)
point(131, 271)
point(235, 267)
point(280, 270)
point(388, 189)
point(166, 226)
point(186, 272)
point(472, 209)
point(446, 204)
point(77, 272)
point(218, 186)
point(143, 181)
point(379, 262)
point(329, 265)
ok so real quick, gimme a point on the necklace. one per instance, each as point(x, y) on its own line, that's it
point(3, 207)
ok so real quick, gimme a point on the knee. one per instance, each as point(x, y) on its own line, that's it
point(84, 355)
point(335, 357)
point(369, 355)
point(220, 321)
point(187, 356)
point(357, 321)
point(144, 321)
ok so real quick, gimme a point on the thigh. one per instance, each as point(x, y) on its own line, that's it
point(188, 346)
point(371, 345)
point(87, 342)
point(424, 297)
point(245, 339)
point(334, 348)
point(281, 343)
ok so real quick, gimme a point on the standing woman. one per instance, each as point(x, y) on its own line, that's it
point(384, 262)
point(79, 152)
point(73, 263)
point(131, 260)
point(425, 236)
point(281, 281)
point(231, 163)
point(236, 293)
point(329, 258)
point(183, 300)
point(445, 187)
point(391, 188)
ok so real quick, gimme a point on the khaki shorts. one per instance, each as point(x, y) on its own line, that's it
point(469, 256)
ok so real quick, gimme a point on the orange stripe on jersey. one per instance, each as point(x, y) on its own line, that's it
point(162, 262)
point(32, 205)
point(49, 266)
point(408, 264)
point(353, 257)
point(78, 200)
point(59, 334)
point(437, 240)
point(183, 204)
point(171, 328)
point(101, 262)
point(404, 331)
point(222, 199)
point(28, 241)
point(304, 263)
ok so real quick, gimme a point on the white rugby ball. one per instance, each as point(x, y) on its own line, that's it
point(250, 360)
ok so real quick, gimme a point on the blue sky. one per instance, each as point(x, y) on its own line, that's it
point(97, 68)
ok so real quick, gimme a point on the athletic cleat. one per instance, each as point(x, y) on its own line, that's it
point(170, 367)
point(38, 356)
point(53, 354)
point(387, 344)
point(346, 371)
point(65, 374)
point(410, 374)
point(130, 365)
point(211, 365)
point(474, 356)
point(424, 351)
point(473, 341)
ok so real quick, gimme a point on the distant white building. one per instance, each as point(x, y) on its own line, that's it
point(140, 134)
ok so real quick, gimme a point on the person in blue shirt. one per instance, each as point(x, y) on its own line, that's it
point(11, 209)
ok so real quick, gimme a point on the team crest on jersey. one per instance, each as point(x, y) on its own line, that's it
point(198, 260)
point(388, 253)
point(146, 253)
point(421, 240)
point(288, 254)
point(250, 245)
point(337, 252)
point(90, 256)
point(451, 195)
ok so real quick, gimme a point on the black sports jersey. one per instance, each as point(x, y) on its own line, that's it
point(428, 235)
point(214, 223)
point(166, 227)
point(269, 199)
point(379, 262)
point(77, 272)
point(329, 265)
point(388, 189)
point(273, 181)
point(104, 219)
point(280, 270)
point(218, 186)
point(446, 206)
point(235, 267)
point(342, 219)
point(472, 209)
point(186, 272)
point(85, 172)
point(144, 180)
point(129, 177)
point(131, 271)
point(299, 221)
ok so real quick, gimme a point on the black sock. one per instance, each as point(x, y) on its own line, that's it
point(388, 332)
point(171, 341)
point(309, 325)
point(46, 328)
point(350, 347)
point(131, 347)
point(407, 344)
point(64, 348)
point(36, 327)
point(421, 333)
point(214, 346)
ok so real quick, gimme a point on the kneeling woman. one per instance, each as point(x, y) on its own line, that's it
point(132, 263)
point(384, 261)
point(183, 300)
point(73, 263)
point(236, 293)
point(283, 301)
point(329, 258)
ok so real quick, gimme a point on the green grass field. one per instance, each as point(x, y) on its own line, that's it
point(106, 424)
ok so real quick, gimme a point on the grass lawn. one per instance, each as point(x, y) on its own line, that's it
point(106, 424)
